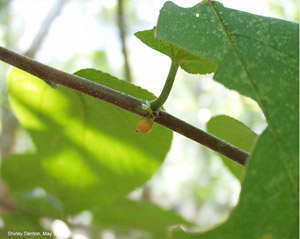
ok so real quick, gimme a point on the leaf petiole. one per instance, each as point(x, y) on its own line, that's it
point(176, 59)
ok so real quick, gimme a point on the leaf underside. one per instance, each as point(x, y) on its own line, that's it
point(191, 63)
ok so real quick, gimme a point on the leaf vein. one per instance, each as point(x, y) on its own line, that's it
point(234, 48)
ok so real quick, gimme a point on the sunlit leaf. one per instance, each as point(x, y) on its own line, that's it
point(88, 149)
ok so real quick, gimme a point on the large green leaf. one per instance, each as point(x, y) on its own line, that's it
point(191, 63)
point(236, 133)
point(13, 168)
point(88, 150)
point(257, 56)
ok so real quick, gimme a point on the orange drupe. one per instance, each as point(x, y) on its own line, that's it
point(144, 125)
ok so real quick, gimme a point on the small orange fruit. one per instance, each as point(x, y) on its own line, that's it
point(144, 125)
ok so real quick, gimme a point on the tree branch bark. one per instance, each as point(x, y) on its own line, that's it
point(122, 100)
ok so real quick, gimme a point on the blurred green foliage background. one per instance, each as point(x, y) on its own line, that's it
point(74, 34)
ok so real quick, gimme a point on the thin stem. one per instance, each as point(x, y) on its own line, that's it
point(44, 28)
point(122, 100)
point(157, 103)
point(122, 30)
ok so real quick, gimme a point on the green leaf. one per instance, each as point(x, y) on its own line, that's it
point(235, 133)
point(126, 216)
point(257, 56)
point(13, 168)
point(88, 149)
point(191, 63)
point(131, 215)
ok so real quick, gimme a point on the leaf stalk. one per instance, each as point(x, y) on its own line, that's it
point(159, 101)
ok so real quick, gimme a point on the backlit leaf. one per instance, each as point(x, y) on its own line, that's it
point(88, 149)
point(235, 133)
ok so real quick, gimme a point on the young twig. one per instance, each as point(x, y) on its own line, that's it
point(122, 100)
